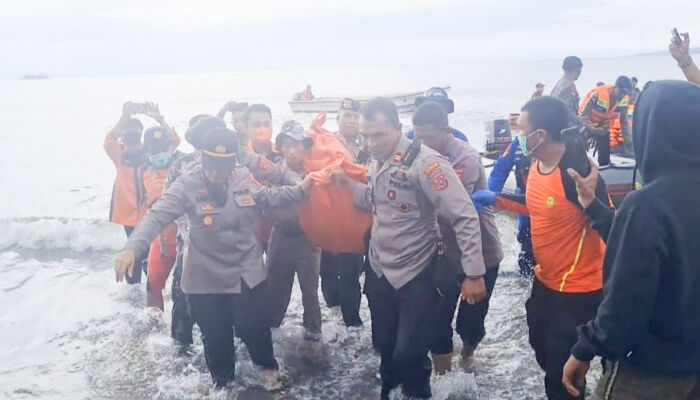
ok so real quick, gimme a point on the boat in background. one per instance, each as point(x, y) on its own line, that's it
point(35, 76)
point(405, 102)
point(620, 176)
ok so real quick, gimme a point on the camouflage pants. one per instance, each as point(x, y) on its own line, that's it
point(622, 381)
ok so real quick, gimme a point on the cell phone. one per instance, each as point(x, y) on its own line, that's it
point(676, 37)
point(576, 149)
point(139, 108)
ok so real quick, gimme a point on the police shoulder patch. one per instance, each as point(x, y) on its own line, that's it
point(440, 182)
point(432, 169)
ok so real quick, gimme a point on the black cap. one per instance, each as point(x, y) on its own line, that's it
point(350, 105)
point(295, 131)
point(571, 63)
point(539, 85)
point(437, 95)
point(157, 139)
point(194, 134)
point(219, 149)
point(623, 83)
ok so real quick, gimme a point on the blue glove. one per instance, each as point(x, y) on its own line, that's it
point(482, 199)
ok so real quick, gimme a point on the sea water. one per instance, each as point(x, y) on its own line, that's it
point(68, 331)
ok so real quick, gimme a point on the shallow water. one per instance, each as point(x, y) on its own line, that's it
point(68, 331)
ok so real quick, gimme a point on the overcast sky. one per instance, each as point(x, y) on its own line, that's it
point(97, 37)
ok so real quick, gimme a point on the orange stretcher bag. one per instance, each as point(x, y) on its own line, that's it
point(328, 217)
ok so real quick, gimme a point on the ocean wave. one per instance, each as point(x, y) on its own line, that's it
point(75, 234)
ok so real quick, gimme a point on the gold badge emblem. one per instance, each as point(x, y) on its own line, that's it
point(550, 202)
point(398, 157)
point(220, 149)
point(208, 220)
point(207, 207)
point(157, 135)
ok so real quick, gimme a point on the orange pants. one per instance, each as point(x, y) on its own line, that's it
point(161, 257)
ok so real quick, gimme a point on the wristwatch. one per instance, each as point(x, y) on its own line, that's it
point(686, 64)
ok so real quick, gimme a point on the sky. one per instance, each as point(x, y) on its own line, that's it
point(98, 37)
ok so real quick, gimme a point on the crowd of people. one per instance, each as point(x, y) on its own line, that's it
point(225, 221)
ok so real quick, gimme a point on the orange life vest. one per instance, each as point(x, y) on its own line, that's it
point(605, 114)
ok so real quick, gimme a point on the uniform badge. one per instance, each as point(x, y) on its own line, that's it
point(432, 169)
point(391, 195)
point(157, 135)
point(208, 220)
point(550, 202)
point(220, 149)
point(404, 207)
point(398, 157)
point(440, 182)
point(399, 175)
point(207, 207)
point(245, 201)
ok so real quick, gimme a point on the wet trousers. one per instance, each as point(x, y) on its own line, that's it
point(182, 323)
point(402, 321)
point(340, 284)
point(622, 381)
point(139, 265)
point(470, 318)
point(286, 255)
point(218, 314)
point(552, 319)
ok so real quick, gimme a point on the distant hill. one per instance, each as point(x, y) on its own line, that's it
point(693, 50)
point(35, 76)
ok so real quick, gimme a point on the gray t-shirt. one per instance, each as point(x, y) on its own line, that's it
point(565, 90)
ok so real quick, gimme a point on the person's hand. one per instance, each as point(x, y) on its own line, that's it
point(340, 177)
point(230, 105)
point(124, 264)
point(680, 51)
point(483, 199)
point(153, 111)
point(306, 183)
point(473, 290)
point(585, 187)
point(574, 376)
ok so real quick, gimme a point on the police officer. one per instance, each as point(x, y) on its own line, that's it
point(224, 272)
point(409, 185)
point(430, 123)
point(289, 250)
point(348, 128)
point(340, 272)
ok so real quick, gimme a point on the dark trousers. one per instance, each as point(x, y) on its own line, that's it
point(526, 257)
point(139, 265)
point(402, 320)
point(603, 147)
point(552, 319)
point(470, 318)
point(182, 323)
point(218, 314)
point(340, 284)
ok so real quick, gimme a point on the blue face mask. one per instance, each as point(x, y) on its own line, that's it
point(160, 160)
point(522, 141)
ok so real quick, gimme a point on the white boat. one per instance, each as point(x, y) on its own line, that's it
point(405, 102)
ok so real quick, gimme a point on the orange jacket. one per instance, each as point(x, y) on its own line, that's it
point(124, 207)
point(125, 193)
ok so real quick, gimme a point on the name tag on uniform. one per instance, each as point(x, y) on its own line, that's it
point(244, 200)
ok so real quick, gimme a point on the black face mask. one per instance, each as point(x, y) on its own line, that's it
point(217, 192)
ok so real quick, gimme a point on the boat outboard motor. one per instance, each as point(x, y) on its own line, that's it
point(438, 95)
